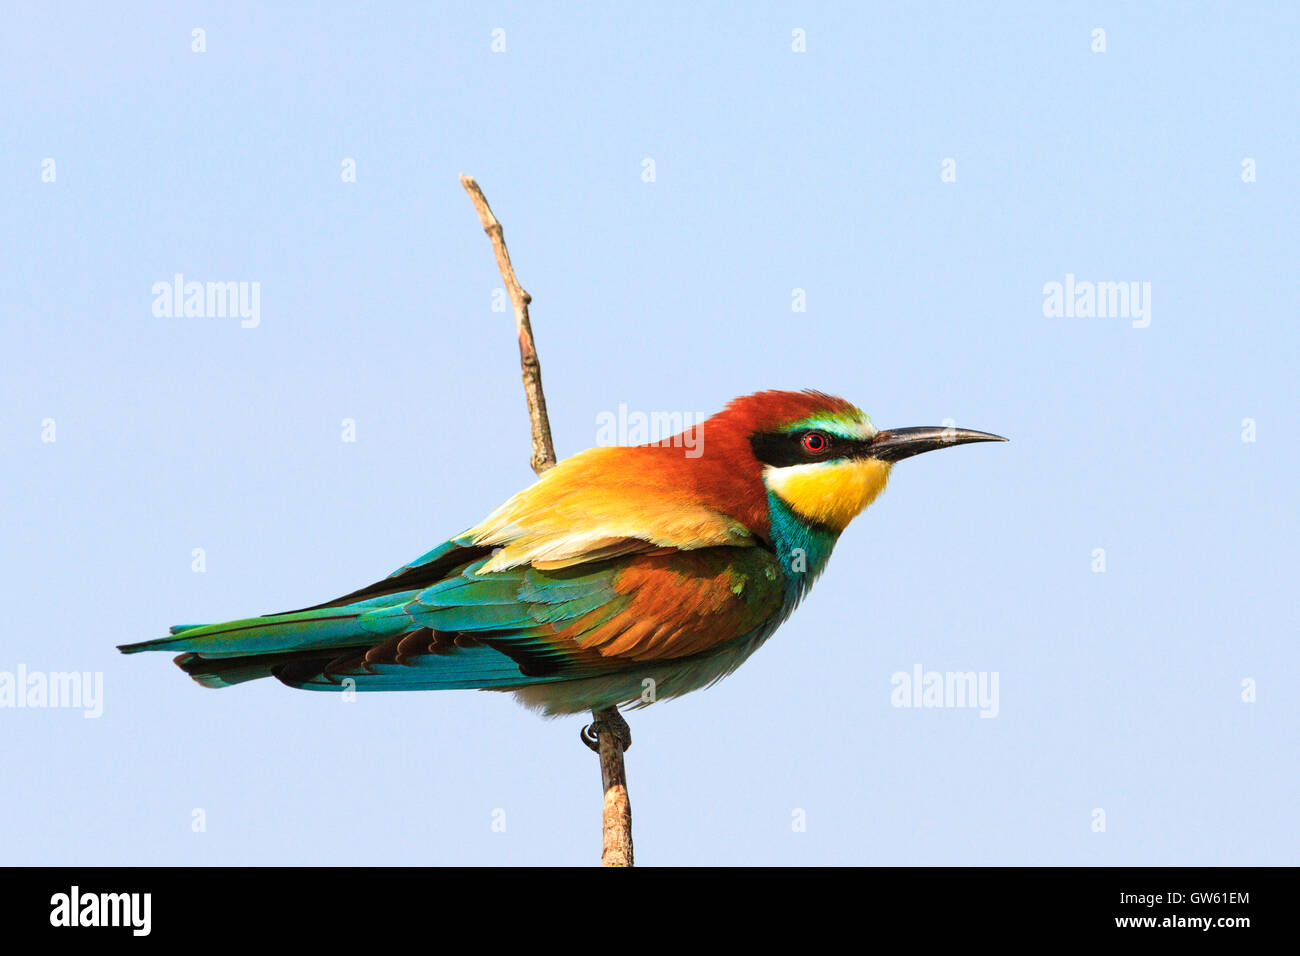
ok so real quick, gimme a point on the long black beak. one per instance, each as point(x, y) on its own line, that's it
point(895, 444)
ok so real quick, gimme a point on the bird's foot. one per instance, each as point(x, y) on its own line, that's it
point(608, 721)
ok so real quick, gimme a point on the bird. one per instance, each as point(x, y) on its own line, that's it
point(623, 576)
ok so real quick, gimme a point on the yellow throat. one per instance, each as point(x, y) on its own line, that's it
point(831, 493)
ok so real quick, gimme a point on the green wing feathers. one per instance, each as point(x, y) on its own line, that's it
point(443, 622)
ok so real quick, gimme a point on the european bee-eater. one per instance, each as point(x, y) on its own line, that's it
point(670, 562)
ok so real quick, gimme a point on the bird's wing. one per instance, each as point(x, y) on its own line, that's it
point(605, 561)
point(602, 503)
point(503, 629)
point(560, 624)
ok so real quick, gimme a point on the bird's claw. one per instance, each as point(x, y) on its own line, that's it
point(608, 721)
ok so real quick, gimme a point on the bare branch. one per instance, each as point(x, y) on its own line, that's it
point(543, 447)
point(616, 849)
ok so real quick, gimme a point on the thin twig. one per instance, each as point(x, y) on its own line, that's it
point(543, 448)
point(616, 847)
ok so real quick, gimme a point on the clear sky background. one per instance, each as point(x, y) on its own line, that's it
point(774, 171)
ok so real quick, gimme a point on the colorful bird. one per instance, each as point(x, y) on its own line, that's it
point(623, 575)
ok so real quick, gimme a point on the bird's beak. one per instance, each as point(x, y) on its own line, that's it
point(895, 444)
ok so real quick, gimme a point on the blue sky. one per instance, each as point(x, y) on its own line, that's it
point(774, 171)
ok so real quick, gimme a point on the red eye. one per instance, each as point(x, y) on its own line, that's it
point(814, 442)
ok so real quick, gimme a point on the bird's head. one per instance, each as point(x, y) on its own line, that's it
point(822, 457)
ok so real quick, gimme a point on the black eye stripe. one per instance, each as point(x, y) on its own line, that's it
point(782, 449)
